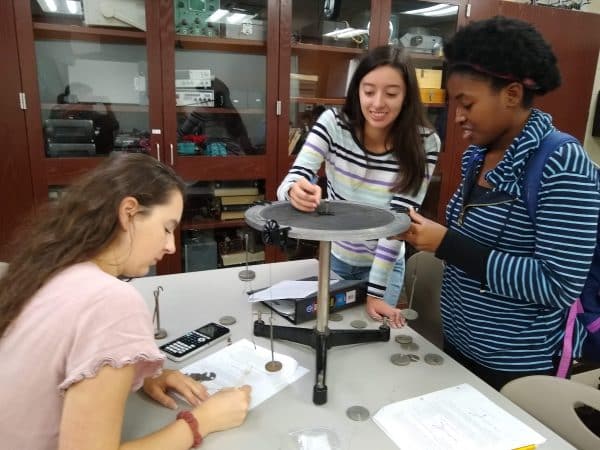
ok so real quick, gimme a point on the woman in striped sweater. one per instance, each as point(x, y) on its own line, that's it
point(508, 282)
point(379, 150)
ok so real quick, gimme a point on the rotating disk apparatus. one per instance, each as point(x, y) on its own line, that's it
point(334, 220)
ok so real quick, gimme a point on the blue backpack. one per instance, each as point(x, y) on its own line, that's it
point(586, 308)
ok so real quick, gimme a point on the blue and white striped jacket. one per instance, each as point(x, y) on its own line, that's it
point(515, 322)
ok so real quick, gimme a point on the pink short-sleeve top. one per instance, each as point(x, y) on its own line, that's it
point(79, 321)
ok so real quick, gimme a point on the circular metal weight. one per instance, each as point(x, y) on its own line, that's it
point(403, 339)
point(336, 317)
point(433, 359)
point(358, 324)
point(273, 366)
point(227, 320)
point(410, 346)
point(399, 359)
point(358, 413)
point(247, 275)
point(409, 314)
point(343, 221)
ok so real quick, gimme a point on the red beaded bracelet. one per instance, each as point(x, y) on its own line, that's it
point(193, 423)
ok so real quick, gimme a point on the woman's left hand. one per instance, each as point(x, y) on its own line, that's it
point(190, 389)
point(423, 234)
point(378, 309)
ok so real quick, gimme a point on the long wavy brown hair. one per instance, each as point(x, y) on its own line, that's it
point(405, 135)
point(82, 223)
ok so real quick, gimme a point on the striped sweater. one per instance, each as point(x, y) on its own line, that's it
point(355, 174)
point(515, 322)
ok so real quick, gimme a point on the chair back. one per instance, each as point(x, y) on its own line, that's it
point(552, 401)
point(423, 282)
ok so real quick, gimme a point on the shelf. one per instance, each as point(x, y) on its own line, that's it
point(425, 56)
point(207, 168)
point(326, 48)
point(220, 44)
point(209, 224)
point(205, 110)
point(434, 105)
point(319, 100)
point(55, 31)
point(115, 107)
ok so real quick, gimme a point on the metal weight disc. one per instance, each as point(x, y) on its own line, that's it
point(336, 317)
point(399, 359)
point(410, 346)
point(345, 221)
point(358, 413)
point(403, 339)
point(358, 324)
point(273, 366)
point(433, 359)
point(409, 314)
point(227, 320)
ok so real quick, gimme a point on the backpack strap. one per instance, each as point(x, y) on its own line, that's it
point(535, 166)
point(531, 185)
point(567, 347)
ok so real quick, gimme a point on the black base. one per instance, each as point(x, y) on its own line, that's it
point(321, 342)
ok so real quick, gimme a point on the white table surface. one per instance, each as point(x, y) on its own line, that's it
point(360, 374)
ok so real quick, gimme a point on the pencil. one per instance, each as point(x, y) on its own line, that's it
point(526, 447)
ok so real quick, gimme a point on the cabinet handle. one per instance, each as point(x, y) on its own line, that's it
point(158, 152)
point(172, 162)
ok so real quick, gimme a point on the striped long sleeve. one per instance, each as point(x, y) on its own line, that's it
point(355, 174)
point(535, 270)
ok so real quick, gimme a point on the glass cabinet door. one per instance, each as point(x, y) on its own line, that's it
point(327, 37)
point(422, 27)
point(92, 77)
point(220, 73)
point(215, 82)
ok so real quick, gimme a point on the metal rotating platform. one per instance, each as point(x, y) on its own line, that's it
point(334, 220)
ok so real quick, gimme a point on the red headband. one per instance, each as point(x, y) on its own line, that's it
point(529, 83)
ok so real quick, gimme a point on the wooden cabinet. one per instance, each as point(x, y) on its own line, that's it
point(15, 172)
point(148, 86)
point(95, 85)
point(318, 63)
point(136, 89)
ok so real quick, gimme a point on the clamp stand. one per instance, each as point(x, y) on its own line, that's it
point(357, 222)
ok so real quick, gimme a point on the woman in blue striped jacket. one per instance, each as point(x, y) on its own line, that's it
point(508, 283)
point(379, 150)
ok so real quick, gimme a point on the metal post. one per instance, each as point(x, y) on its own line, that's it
point(323, 292)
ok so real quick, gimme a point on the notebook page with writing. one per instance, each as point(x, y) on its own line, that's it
point(242, 363)
point(456, 418)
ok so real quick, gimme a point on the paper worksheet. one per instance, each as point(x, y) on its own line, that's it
point(456, 418)
point(243, 363)
point(288, 289)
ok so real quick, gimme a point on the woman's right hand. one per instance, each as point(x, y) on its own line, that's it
point(225, 409)
point(304, 195)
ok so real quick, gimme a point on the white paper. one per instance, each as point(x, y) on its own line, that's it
point(456, 418)
point(241, 363)
point(288, 289)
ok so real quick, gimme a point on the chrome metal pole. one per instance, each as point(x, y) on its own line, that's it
point(323, 288)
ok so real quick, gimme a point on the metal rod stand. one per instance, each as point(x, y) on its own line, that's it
point(321, 338)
